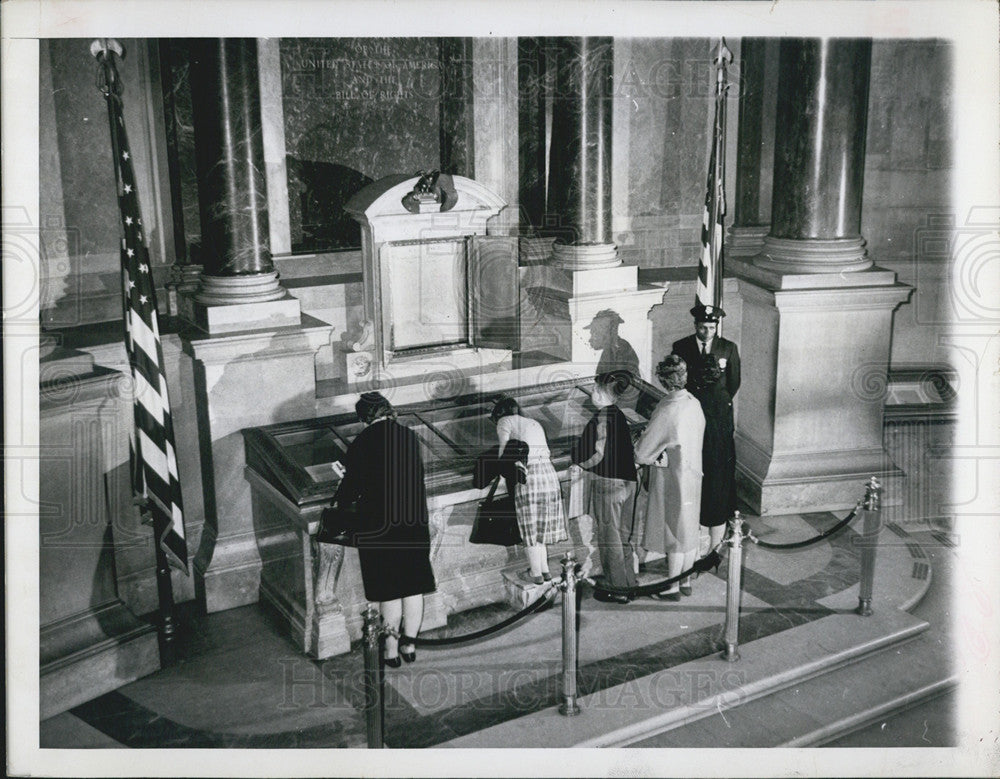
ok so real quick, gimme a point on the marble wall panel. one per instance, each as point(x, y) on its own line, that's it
point(667, 86)
point(907, 192)
point(356, 109)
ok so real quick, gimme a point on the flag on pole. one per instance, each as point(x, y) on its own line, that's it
point(710, 268)
point(154, 462)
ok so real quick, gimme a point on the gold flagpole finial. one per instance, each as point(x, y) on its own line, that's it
point(723, 56)
point(101, 46)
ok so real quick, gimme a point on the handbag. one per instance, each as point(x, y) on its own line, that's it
point(496, 520)
point(339, 525)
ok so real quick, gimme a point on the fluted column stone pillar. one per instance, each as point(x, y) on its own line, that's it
point(236, 259)
point(252, 359)
point(587, 286)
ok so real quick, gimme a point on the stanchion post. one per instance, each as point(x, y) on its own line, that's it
point(734, 573)
point(569, 706)
point(373, 680)
point(869, 545)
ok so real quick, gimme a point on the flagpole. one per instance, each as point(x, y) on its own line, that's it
point(165, 592)
point(720, 168)
point(104, 51)
point(709, 287)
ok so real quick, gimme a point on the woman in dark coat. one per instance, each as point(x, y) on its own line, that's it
point(385, 474)
point(718, 486)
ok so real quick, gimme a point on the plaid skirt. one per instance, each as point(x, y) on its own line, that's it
point(540, 514)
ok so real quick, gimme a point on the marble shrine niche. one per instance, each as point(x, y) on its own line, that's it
point(439, 293)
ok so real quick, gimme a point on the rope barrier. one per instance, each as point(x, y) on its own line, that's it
point(531, 608)
point(706, 563)
point(713, 558)
point(809, 541)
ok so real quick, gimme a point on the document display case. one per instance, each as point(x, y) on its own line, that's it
point(294, 469)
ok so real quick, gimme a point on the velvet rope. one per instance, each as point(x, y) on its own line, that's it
point(531, 608)
point(706, 563)
point(809, 541)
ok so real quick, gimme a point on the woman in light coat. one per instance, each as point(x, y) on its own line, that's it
point(671, 448)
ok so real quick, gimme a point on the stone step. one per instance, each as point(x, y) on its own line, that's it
point(648, 707)
point(821, 709)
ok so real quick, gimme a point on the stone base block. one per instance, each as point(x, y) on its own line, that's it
point(778, 280)
point(443, 376)
point(226, 588)
point(61, 364)
point(237, 317)
point(832, 492)
point(597, 281)
point(91, 654)
point(517, 593)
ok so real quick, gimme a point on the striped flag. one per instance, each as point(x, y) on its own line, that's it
point(710, 267)
point(154, 462)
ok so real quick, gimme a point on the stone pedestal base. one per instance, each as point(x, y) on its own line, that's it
point(444, 374)
point(815, 354)
point(797, 483)
point(813, 255)
point(236, 317)
point(242, 380)
point(574, 297)
point(584, 256)
point(93, 654)
point(89, 642)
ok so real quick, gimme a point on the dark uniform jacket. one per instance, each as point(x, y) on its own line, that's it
point(689, 350)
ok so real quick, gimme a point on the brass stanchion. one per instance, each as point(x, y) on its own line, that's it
point(569, 706)
point(869, 541)
point(374, 681)
point(734, 574)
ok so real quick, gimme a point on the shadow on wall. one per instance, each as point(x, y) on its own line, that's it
point(318, 192)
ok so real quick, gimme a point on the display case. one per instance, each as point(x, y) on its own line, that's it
point(294, 470)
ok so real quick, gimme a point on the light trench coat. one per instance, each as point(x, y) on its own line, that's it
point(671, 446)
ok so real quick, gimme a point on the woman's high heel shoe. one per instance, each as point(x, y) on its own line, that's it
point(409, 656)
point(392, 662)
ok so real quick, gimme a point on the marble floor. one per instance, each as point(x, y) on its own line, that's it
point(239, 682)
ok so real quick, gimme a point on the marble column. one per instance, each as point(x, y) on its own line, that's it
point(239, 287)
point(185, 273)
point(252, 359)
point(755, 146)
point(579, 184)
point(819, 157)
point(817, 314)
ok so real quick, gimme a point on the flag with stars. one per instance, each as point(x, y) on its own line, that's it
point(710, 267)
point(154, 462)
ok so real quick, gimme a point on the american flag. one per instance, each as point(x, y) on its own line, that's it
point(154, 462)
point(709, 290)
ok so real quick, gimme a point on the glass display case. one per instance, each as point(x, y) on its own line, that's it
point(302, 459)
point(294, 469)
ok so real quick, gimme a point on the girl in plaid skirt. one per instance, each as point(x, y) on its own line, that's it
point(538, 500)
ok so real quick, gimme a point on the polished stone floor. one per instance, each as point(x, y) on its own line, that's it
point(239, 682)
